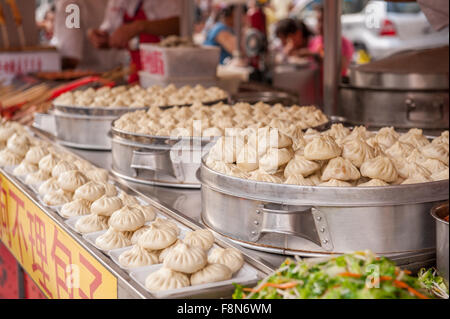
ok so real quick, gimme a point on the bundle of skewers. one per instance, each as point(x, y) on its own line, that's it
point(20, 104)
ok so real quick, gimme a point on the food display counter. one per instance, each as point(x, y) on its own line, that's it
point(187, 203)
point(64, 264)
point(175, 188)
point(265, 217)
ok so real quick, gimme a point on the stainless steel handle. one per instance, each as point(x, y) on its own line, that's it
point(424, 111)
point(157, 161)
point(301, 221)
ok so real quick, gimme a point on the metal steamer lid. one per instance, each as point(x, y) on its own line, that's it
point(117, 111)
point(324, 196)
point(411, 70)
point(96, 111)
point(144, 140)
point(267, 97)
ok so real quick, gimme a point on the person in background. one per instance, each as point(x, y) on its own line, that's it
point(146, 20)
point(256, 21)
point(221, 34)
point(46, 24)
point(256, 16)
point(212, 19)
point(295, 38)
point(73, 43)
point(316, 45)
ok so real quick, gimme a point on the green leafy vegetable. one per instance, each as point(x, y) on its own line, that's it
point(434, 283)
point(360, 275)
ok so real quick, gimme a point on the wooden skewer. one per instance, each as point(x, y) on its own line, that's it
point(24, 97)
point(10, 91)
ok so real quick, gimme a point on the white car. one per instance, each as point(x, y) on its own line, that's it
point(380, 28)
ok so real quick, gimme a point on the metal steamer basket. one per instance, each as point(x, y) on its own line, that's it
point(406, 90)
point(82, 127)
point(86, 127)
point(159, 160)
point(318, 221)
point(156, 160)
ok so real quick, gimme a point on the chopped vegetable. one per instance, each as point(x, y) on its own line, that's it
point(435, 284)
point(360, 275)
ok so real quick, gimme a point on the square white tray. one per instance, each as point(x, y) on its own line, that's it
point(92, 237)
point(245, 275)
point(71, 223)
point(115, 253)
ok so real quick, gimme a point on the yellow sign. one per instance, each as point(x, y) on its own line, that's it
point(55, 261)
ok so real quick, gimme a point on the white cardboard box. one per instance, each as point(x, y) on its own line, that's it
point(200, 62)
point(14, 63)
point(146, 80)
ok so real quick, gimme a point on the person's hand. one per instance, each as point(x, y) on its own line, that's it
point(120, 38)
point(289, 47)
point(99, 38)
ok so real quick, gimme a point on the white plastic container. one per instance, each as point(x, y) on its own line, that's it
point(199, 62)
point(146, 80)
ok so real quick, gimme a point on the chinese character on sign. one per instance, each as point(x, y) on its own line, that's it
point(4, 220)
point(62, 257)
point(18, 227)
point(38, 243)
point(97, 278)
point(154, 63)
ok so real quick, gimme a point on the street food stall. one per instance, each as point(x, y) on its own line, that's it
point(178, 188)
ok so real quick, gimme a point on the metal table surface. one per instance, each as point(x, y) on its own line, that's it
point(184, 202)
point(187, 204)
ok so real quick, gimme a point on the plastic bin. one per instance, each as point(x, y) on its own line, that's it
point(200, 62)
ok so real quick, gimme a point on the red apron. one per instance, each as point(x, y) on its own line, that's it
point(135, 55)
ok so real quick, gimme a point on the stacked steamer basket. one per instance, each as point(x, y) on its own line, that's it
point(165, 147)
point(374, 191)
point(82, 119)
point(152, 147)
point(408, 89)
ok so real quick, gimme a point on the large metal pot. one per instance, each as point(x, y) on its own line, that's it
point(442, 239)
point(316, 221)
